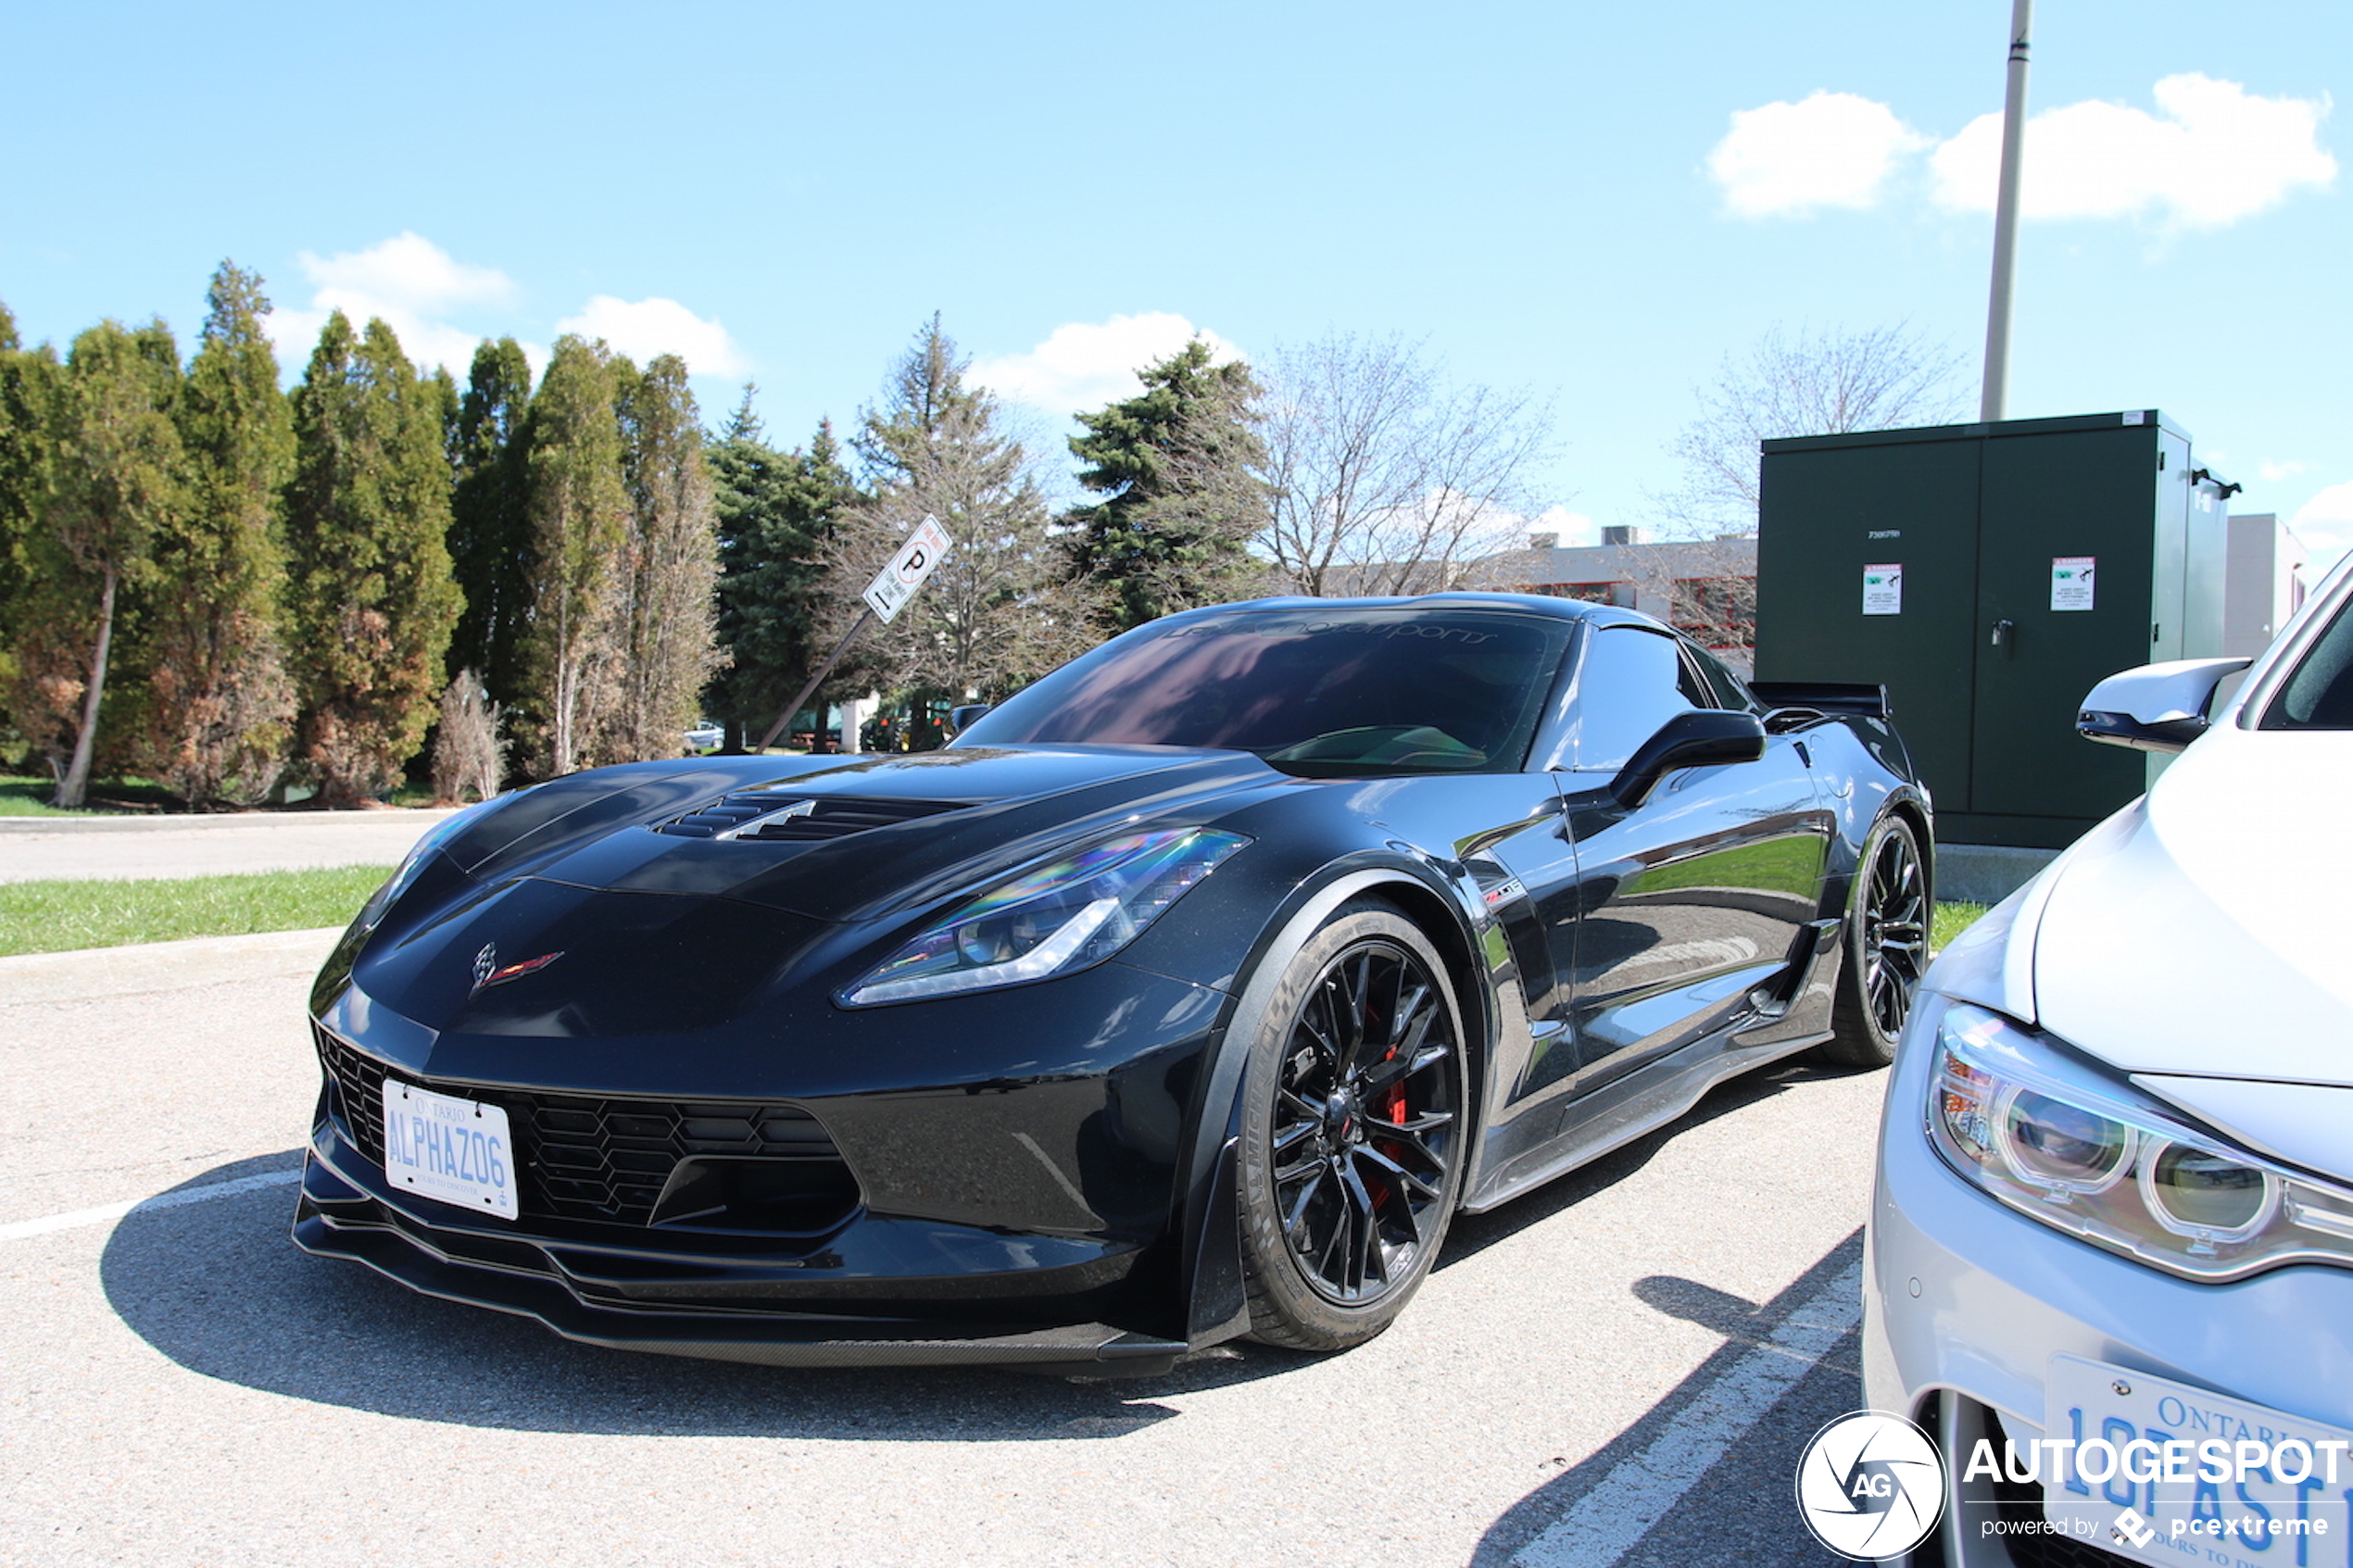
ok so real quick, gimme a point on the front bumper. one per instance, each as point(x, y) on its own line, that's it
point(961, 1212)
point(739, 1307)
point(1965, 1301)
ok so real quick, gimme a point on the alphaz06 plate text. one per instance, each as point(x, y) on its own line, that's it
point(457, 1150)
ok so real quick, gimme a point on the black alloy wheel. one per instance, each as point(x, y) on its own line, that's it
point(1886, 948)
point(1354, 1139)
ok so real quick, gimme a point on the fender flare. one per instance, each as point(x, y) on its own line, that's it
point(1215, 1304)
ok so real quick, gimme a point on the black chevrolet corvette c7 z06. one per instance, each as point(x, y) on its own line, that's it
point(1187, 994)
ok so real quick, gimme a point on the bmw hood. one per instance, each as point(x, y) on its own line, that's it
point(2207, 932)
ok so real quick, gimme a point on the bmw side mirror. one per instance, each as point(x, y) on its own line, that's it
point(1701, 738)
point(965, 718)
point(2157, 707)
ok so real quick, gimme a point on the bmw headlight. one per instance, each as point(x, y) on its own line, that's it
point(2054, 1138)
point(414, 865)
point(1078, 911)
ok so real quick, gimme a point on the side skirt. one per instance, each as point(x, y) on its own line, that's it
point(1641, 1102)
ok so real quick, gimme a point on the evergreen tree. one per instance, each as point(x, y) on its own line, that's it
point(667, 613)
point(372, 598)
point(775, 509)
point(217, 720)
point(489, 517)
point(997, 612)
point(579, 511)
point(1179, 467)
point(27, 379)
point(116, 478)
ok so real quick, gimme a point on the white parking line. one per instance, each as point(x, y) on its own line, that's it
point(1639, 1491)
point(105, 1212)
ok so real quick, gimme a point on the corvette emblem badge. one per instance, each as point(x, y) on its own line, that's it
point(487, 971)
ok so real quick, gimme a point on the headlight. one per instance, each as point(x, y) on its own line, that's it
point(441, 832)
point(2053, 1138)
point(1078, 911)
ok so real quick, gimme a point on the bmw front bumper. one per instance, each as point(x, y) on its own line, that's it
point(1966, 1301)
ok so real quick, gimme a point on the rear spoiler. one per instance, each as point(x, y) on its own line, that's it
point(1826, 697)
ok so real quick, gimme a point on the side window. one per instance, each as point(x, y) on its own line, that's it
point(1694, 687)
point(1631, 682)
point(1732, 692)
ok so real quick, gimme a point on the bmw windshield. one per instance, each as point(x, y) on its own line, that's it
point(1339, 693)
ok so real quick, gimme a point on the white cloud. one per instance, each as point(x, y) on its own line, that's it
point(2213, 154)
point(2272, 474)
point(410, 281)
point(1088, 364)
point(1834, 149)
point(2325, 524)
point(646, 328)
point(1574, 529)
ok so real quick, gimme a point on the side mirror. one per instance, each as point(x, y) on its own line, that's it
point(2157, 707)
point(1701, 738)
point(963, 717)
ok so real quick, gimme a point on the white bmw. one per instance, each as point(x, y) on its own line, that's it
point(2111, 1265)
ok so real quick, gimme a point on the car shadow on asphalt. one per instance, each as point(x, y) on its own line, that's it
point(1473, 1233)
point(1741, 1507)
point(219, 1287)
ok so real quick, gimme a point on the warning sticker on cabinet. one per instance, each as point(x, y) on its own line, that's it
point(1883, 589)
point(2071, 581)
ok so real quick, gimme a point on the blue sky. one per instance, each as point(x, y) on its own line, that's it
point(1595, 202)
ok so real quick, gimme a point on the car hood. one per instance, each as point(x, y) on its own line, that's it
point(621, 924)
point(910, 828)
point(2203, 935)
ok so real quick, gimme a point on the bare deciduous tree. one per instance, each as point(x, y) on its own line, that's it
point(468, 753)
point(1386, 478)
point(1813, 383)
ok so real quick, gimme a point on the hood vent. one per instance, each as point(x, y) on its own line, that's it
point(774, 817)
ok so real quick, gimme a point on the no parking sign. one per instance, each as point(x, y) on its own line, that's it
point(897, 582)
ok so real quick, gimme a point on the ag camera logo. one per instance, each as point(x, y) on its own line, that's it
point(1870, 1485)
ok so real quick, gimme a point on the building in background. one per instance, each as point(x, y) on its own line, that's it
point(2261, 586)
point(1704, 587)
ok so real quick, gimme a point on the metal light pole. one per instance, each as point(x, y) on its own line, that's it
point(1997, 312)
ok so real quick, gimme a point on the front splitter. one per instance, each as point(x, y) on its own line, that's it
point(764, 1339)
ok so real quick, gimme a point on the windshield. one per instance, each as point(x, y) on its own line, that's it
point(1324, 693)
point(2319, 695)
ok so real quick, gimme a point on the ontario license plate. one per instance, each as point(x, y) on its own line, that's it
point(457, 1150)
point(2161, 1472)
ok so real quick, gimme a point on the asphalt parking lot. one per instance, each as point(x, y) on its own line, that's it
point(1620, 1369)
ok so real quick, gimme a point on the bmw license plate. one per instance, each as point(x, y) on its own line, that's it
point(2186, 1477)
point(457, 1150)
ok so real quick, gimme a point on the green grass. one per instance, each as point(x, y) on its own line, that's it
point(1950, 922)
point(27, 794)
point(56, 917)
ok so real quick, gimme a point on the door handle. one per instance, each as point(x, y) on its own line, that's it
point(2002, 629)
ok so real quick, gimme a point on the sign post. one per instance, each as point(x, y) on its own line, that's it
point(884, 596)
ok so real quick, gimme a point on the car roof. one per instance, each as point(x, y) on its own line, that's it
point(1524, 604)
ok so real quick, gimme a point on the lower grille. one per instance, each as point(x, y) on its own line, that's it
point(584, 1157)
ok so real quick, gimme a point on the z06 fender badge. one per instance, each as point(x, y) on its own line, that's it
point(488, 973)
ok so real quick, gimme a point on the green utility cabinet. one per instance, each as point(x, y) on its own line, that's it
point(1990, 575)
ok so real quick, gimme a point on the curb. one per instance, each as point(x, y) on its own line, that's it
point(420, 815)
point(89, 972)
